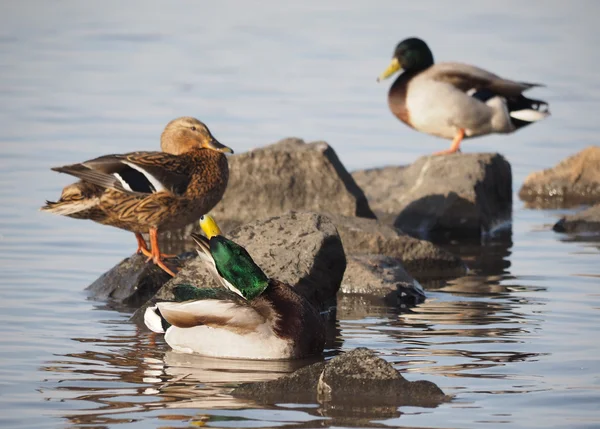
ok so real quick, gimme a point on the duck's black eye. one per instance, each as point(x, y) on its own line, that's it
point(193, 128)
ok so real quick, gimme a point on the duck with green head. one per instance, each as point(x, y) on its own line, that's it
point(454, 100)
point(251, 317)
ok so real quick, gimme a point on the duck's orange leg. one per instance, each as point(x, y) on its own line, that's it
point(142, 248)
point(455, 147)
point(155, 252)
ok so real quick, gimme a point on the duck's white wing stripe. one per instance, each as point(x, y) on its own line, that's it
point(158, 186)
point(123, 182)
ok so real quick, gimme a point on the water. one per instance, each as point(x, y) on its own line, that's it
point(515, 341)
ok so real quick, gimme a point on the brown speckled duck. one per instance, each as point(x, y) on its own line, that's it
point(150, 191)
point(454, 100)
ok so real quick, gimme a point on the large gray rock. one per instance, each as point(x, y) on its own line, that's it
point(288, 175)
point(131, 282)
point(303, 250)
point(574, 181)
point(587, 220)
point(441, 196)
point(422, 259)
point(358, 377)
point(381, 276)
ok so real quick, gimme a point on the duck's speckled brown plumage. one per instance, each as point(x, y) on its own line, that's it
point(150, 191)
point(208, 172)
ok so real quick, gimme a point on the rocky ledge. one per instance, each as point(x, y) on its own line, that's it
point(574, 181)
point(303, 250)
point(356, 378)
point(308, 249)
point(442, 197)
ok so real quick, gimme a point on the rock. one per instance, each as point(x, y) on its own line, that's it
point(382, 276)
point(358, 377)
point(303, 250)
point(422, 259)
point(586, 221)
point(442, 196)
point(131, 282)
point(574, 181)
point(288, 175)
point(299, 386)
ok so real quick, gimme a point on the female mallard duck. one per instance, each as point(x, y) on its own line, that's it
point(453, 100)
point(150, 191)
point(251, 317)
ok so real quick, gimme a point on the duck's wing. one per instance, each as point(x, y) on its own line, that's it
point(154, 319)
point(469, 78)
point(205, 255)
point(136, 173)
point(211, 307)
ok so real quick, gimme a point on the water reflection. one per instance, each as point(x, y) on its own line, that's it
point(471, 327)
point(468, 327)
point(129, 378)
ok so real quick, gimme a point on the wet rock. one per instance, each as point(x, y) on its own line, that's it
point(382, 276)
point(586, 221)
point(301, 249)
point(299, 386)
point(441, 197)
point(422, 259)
point(361, 375)
point(288, 175)
point(575, 180)
point(131, 282)
point(358, 377)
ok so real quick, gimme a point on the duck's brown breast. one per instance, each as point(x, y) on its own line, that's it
point(298, 320)
point(397, 97)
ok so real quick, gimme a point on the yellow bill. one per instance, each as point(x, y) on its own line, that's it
point(392, 68)
point(209, 226)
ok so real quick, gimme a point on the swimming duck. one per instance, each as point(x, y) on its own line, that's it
point(454, 100)
point(150, 191)
point(251, 316)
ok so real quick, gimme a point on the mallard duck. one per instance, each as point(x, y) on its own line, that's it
point(150, 191)
point(251, 316)
point(453, 100)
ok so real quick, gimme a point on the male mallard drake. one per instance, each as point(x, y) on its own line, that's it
point(150, 191)
point(251, 317)
point(453, 100)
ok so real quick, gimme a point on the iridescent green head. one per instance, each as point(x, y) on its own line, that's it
point(236, 266)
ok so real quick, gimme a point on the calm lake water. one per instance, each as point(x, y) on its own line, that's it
point(515, 341)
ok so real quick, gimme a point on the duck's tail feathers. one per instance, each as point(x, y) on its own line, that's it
point(154, 320)
point(75, 200)
point(69, 207)
point(524, 111)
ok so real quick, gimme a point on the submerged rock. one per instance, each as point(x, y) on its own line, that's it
point(575, 180)
point(442, 196)
point(303, 250)
point(288, 175)
point(422, 259)
point(585, 221)
point(382, 276)
point(358, 377)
